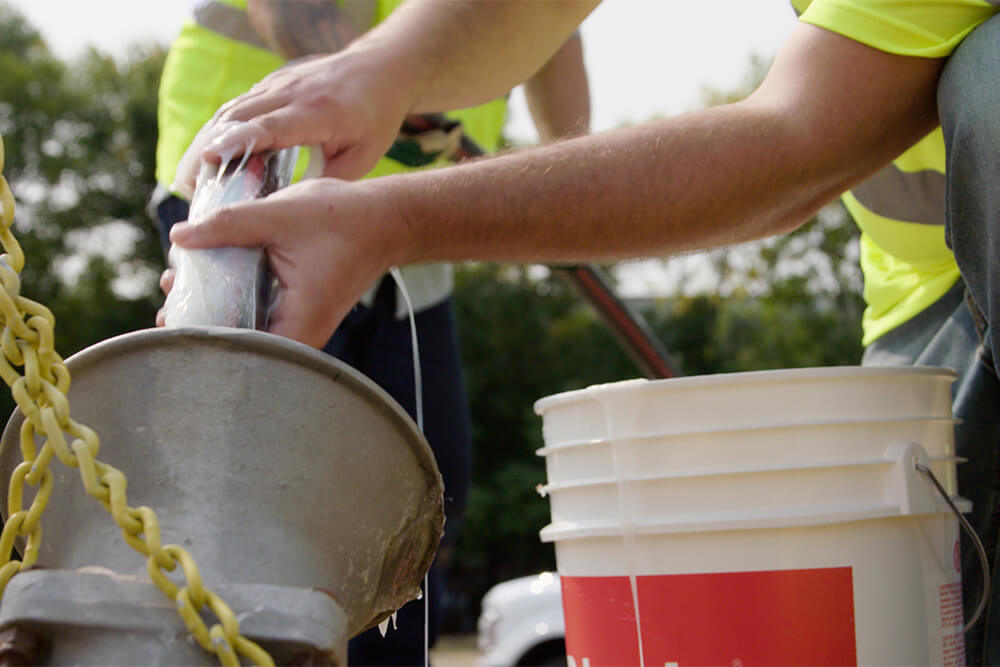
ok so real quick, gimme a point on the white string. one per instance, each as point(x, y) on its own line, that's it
point(417, 381)
point(229, 155)
point(419, 400)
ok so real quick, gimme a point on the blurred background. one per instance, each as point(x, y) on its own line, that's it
point(78, 84)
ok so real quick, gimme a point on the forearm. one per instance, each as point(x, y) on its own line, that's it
point(451, 54)
point(733, 173)
point(653, 190)
point(558, 95)
point(721, 176)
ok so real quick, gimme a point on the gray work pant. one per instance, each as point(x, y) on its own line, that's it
point(962, 330)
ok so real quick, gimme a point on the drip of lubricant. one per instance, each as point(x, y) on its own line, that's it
point(419, 403)
point(625, 514)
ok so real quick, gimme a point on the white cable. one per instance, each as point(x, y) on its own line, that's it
point(417, 381)
point(419, 400)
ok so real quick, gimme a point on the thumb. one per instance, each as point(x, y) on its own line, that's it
point(352, 163)
point(234, 138)
point(215, 138)
point(295, 317)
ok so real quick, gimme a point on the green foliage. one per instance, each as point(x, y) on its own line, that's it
point(80, 142)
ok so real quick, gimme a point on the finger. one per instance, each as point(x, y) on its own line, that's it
point(351, 164)
point(278, 129)
point(266, 95)
point(291, 319)
point(161, 318)
point(234, 140)
point(191, 161)
point(255, 98)
point(246, 224)
point(167, 280)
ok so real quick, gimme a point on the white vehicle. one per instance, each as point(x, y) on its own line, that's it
point(522, 623)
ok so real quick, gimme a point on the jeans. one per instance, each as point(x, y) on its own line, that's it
point(962, 330)
point(373, 341)
point(969, 107)
point(946, 334)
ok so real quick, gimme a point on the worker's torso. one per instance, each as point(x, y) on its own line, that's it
point(901, 209)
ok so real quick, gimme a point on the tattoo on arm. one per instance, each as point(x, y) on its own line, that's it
point(296, 28)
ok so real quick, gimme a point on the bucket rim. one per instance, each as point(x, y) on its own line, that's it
point(702, 472)
point(753, 518)
point(729, 430)
point(716, 380)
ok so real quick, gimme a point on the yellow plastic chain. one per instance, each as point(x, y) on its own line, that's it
point(40, 392)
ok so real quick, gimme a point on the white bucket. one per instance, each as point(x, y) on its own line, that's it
point(767, 518)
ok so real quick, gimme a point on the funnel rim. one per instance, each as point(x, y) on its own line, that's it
point(271, 345)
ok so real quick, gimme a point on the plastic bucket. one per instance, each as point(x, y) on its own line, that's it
point(767, 518)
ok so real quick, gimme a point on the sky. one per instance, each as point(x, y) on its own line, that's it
point(644, 58)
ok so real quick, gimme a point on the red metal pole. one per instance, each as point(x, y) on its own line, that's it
point(628, 326)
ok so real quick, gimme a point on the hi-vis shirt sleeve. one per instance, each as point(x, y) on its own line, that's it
point(922, 28)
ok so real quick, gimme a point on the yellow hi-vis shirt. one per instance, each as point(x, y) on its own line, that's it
point(205, 69)
point(900, 210)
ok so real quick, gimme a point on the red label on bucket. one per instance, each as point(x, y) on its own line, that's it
point(783, 617)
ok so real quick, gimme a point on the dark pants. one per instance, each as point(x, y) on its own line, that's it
point(375, 342)
point(969, 106)
point(962, 330)
point(946, 334)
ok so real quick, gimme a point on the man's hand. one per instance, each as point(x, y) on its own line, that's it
point(428, 56)
point(344, 105)
point(334, 102)
point(326, 241)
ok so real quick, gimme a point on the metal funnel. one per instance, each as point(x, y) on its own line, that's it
point(271, 462)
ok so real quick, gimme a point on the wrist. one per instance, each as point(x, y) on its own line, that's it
point(393, 220)
point(395, 80)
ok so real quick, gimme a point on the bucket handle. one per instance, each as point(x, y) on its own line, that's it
point(971, 532)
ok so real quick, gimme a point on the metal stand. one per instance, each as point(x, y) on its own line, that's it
point(283, 471)
point(86, 618)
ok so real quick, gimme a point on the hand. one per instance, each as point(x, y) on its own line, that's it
point(342, 103)
point(166, 284)
point(327, 241)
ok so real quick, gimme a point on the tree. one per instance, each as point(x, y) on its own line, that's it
point(80, 146)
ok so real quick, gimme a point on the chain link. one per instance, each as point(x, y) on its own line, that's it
point(27, 341)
